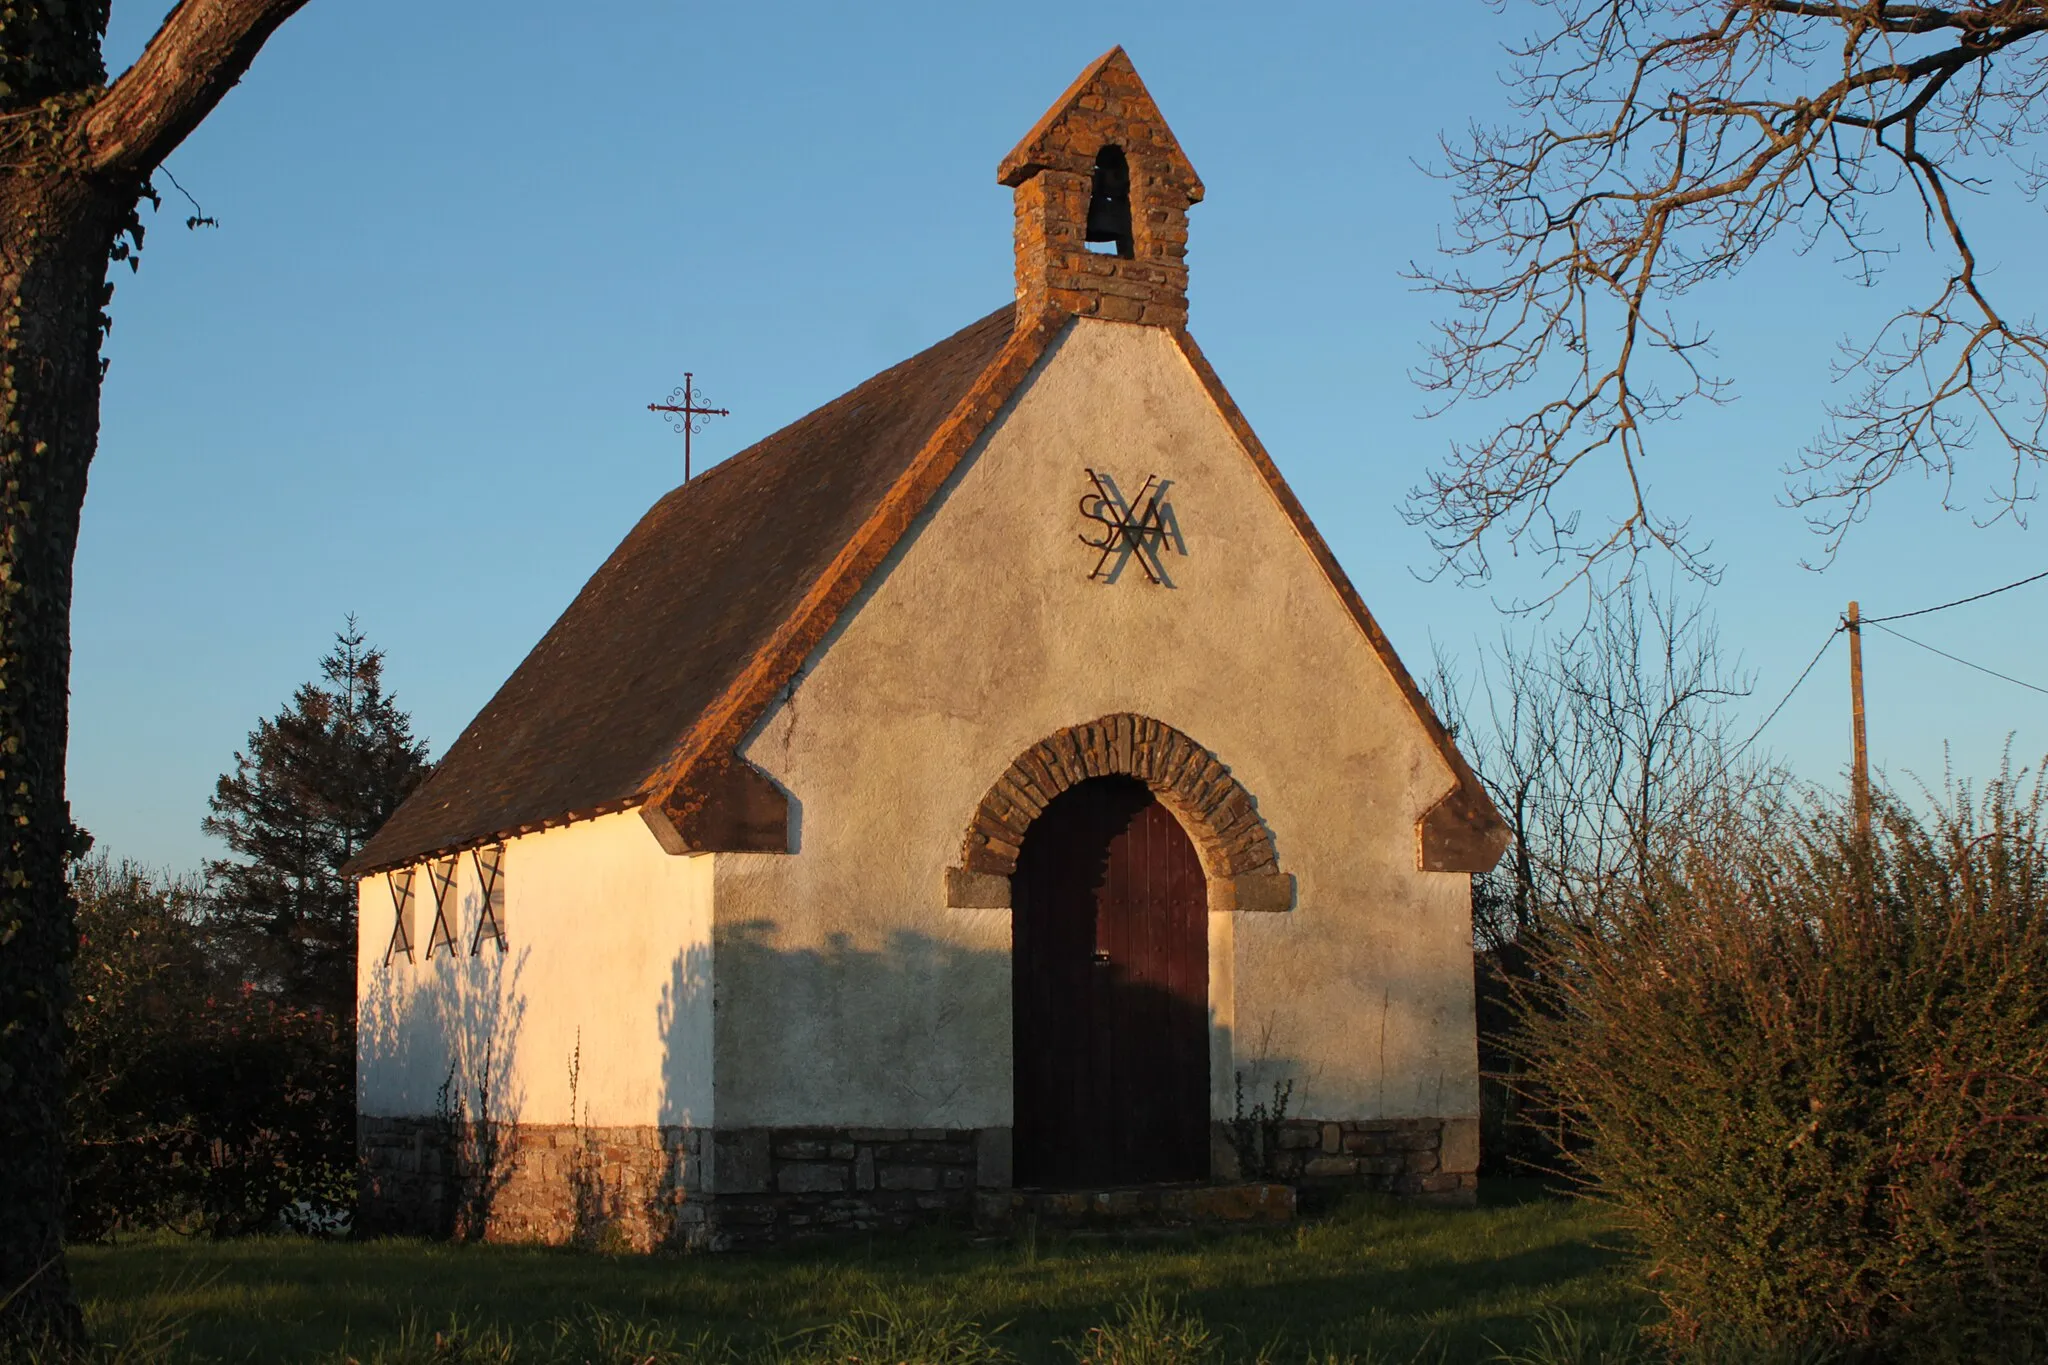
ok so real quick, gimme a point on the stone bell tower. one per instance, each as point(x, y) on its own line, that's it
point(1103, 191)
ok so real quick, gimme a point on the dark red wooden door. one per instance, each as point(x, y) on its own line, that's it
point(1110, 979)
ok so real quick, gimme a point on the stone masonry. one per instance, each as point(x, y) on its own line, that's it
point(635, 1188)
point(648, 1188)
point(791, 1184)
point(1220, 816)
point(1241, 1204)
point(1052, 171)
point(1433, 1158)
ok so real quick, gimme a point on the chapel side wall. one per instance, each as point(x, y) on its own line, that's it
point(852, 995)
point(607, 958)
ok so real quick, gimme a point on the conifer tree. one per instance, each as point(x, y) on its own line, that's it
point(316, 781)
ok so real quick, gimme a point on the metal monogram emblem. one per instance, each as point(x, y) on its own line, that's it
point(1143, 528)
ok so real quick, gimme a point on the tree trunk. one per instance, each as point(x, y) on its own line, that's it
point(55, 234)
point(75, 156)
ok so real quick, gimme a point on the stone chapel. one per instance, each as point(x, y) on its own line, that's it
point(985, 794)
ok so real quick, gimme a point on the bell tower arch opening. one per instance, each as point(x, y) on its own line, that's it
point(1109, 205)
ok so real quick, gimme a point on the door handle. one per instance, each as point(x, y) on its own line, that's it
point(1101, 958)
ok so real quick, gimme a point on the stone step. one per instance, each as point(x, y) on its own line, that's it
point(1135, 1206)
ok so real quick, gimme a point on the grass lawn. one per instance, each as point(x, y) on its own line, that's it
point(1376, 1281)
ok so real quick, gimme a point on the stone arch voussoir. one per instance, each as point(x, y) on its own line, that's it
point(1220, 816)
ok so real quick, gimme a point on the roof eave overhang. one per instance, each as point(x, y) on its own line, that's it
point(368, 864)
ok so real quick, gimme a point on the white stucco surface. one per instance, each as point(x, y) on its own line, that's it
point(607, 957)
point(850, 994)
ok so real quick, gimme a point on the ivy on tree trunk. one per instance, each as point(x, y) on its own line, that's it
point(76, 156)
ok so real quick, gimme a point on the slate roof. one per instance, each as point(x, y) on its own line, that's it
point(644, 690)
point(680, 610)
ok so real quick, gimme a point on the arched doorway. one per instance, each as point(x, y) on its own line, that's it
point(1110, 984)
point(1214, 810)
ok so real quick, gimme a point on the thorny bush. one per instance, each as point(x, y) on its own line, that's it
point(1810, 1072)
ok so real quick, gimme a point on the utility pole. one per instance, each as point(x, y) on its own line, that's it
point(1859, 769)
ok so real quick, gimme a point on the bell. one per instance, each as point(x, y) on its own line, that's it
point(1109, 205)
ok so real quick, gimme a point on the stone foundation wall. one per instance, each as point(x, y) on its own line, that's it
point(404, 1177)
point(785, 1184)
point(648, 1188)
point(1438, 1158)
point(633, 1188)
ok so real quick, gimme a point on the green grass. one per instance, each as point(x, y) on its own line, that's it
point(1378, 1281)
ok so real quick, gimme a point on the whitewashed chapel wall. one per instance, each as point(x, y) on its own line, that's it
point(606, 957)
point(851, 995)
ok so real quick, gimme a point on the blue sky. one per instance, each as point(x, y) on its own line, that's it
point(462, 245)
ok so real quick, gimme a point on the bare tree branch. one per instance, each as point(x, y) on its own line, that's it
point(1597, 745)
point(196, 57)
point(1663, 144)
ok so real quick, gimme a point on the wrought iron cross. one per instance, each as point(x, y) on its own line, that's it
point(685, 414)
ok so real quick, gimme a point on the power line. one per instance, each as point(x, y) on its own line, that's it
point(1974, 597)
point(1953, 659)
point(1878, 621)
point(1811, 664)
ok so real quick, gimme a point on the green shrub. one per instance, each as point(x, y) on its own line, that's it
point(1811, 1074)
point(196, 1101)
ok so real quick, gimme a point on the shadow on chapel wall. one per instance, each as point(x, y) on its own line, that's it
point(920, 1022)
point(905, 1030)
point(439, 1041)
point(683, 1018)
